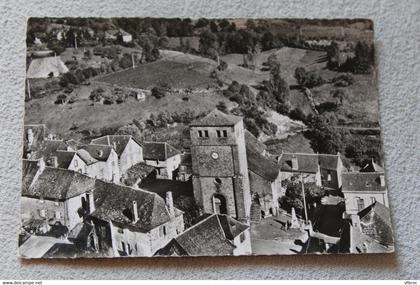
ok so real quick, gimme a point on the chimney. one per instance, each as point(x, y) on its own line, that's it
point(53, 161)
point(91, 202)
point(170, 204)
point(30, 134)
point(135, 212)
point(295, 165)
point(382, 179)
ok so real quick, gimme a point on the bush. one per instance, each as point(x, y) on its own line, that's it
point(108, 101)
point(61, 99)
point(297, 114)
point(158, 92)
point(343, 80)
point(221, 106)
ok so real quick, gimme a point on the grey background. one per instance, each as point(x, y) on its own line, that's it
point(397, 27)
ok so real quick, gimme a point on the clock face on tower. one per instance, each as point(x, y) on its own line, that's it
point(214, 155)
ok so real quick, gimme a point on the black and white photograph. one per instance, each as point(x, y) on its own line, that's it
point(148, 137)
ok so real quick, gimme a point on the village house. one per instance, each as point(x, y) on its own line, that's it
point(362, 189)
point(33, 137)
point(54, 196)
point(101, 161)
point(128, 149)
point(164, 157)
point(322, 169)
point(215, 235)
point(368, 231)
point(134, 222)
point(265, 184)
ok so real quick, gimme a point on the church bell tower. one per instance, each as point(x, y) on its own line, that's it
point(219, 165)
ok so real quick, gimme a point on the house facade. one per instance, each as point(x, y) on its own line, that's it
point(129, 150)
point(164, 157)
point(57, 196)
point(362, 189)
point(134, 222)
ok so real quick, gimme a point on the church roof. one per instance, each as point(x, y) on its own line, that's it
point(261, 165)
point(217, 118)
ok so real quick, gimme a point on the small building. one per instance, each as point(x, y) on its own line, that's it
point(134, 222)
point(101, 161)
point(322, 169)
point(56, 196)
point(33, 137)
point(46, 67)
point(362, 189)
point(368, 231)
point(128, 149)
point(164, 157)
point(215, 235)
point(265, 182)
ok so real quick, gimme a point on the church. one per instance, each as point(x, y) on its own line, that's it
point(219, 165)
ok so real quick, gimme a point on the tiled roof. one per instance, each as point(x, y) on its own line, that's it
point(328, 161)
point(29, 170)
point(261, 165)
point(119, 142)
point(231, 227)
point(217, 118)
point(86, 157)
point(362, 181)
point(372, 167)
point(114, 203)
point(64, 158)
point(253, 143)
point(98, 152)
point(375, 221)
point(158, 151)
point(308, 162)
point(137, 171)
point(204, 238)
point(48, 148)
point(61, 184)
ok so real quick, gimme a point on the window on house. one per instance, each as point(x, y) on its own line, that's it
point(360, 204)
point(200, 134)
point(224, 133)
point(164, 230)
point(123, 248)
point(206, 134)
point(129, 248)
point(219, 133)
point(76, 163)
point(242, 237)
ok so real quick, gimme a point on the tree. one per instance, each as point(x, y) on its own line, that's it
point(131, 130)
point(333, 55)
point(208, 42)
point(300, 74)
point(221, 106)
